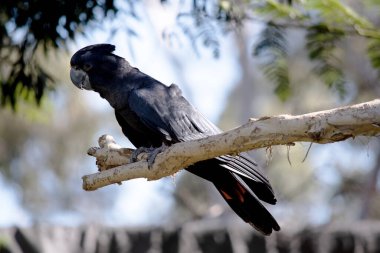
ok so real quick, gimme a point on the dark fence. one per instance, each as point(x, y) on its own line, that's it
point(194, 237)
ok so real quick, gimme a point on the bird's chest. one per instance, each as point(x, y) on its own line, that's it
point(130, 122)
point(136, 130)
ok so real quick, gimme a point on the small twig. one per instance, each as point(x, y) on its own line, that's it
point(307, 152)
point(288, 154)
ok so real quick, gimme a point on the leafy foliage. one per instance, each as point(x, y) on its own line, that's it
point(321, 44)
point(273, 47)
point(278, 9)
point(374, 52)
point(206, 21)
point(326, 23)
point(27, 25)
point(197, 27)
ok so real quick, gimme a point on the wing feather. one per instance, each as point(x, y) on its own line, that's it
point(177, 120)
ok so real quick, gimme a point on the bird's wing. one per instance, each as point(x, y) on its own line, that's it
point(167, 113)
point(164, 111)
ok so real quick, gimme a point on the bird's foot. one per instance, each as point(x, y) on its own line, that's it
point(151, 152)
point(152, 155)
point(138, 151)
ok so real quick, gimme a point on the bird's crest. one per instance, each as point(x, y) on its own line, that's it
point(98, 48)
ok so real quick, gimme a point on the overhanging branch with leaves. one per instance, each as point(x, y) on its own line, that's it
point(318, 127)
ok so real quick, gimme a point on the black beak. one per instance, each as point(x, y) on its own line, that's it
point(80, 79)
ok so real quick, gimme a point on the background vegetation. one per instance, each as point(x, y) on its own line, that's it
point(286, 57)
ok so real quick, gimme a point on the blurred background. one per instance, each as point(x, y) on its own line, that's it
point(233, 60)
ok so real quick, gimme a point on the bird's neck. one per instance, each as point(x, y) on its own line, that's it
point(117, 98)
point(117, 91)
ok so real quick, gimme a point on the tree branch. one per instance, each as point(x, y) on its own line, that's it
point(319, 127)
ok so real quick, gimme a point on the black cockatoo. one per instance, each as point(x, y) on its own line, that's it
point(151, 114)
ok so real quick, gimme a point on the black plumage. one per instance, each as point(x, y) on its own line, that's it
point(151, 114)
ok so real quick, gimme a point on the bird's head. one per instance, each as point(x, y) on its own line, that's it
point(93, 66)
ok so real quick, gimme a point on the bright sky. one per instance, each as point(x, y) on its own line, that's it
point(10, 211)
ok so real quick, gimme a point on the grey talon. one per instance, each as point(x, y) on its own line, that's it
point(153, 154)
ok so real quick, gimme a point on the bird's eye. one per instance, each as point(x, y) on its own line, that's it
point(87, 67)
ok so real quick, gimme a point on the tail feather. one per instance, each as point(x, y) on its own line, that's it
point(241, 183)
point(259, 185)
point(247, 206)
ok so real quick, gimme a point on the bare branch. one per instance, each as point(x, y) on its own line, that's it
point(319, 127)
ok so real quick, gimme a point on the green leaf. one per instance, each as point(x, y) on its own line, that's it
point(273, 41)
point(373, 52)
point(278, 72)
point(272, 48)
point(321, 42)
point(279, 10)
point(338, 13)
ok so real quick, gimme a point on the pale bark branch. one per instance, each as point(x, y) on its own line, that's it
point(318, 127)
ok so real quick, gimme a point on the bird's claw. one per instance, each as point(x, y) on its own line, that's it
point(138, 151)
point(152, 153)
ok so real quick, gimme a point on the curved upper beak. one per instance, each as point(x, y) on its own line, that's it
point(80, 79)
